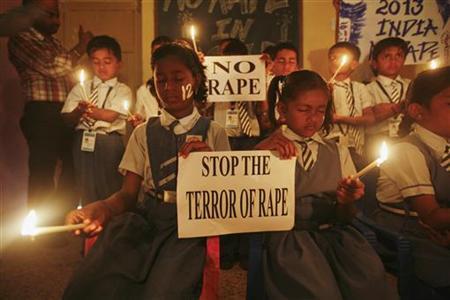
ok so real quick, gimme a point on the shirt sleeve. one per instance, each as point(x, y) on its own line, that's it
point(135, 154)
point(407, 169)
point(217, 138)
point(365, 97)
point(39, 57)
point(347, 165)
point(74, 97)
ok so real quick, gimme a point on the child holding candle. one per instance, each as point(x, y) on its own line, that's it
point(388, 91)
point(413, 188)
point(139, 256)
point(351, 101)
point(323, 257)
point(99, 122)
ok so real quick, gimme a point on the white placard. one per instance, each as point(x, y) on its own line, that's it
point(235, 78)
point(233, 192)
point(423, 24)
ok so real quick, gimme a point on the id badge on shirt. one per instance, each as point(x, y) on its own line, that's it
point(394, 124)
point(88, 141)
point(232, 119)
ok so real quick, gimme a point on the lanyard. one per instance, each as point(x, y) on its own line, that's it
point(387, 94)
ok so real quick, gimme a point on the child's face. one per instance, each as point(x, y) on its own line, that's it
point(437, 117)
point(106, 65)
point(335, 59)
point(172, 80)
point(389, 62)
point(284, 63)
point(305, 114)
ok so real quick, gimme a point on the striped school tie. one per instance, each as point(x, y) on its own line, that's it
point(244, 118)
point(93, 97)
point(307, 156)
point(445, 161)
point(395, 92)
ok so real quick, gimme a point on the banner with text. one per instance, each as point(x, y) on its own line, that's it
point(233, 192)
point(235, 78)
point(423, 24)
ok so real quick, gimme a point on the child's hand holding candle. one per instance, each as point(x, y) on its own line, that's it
point(94, 216)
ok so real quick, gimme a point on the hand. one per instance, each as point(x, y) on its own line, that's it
point(278, 142)
point(441, 238)
point(135, 120)
point(385, 109)
point(92, 111)
point(94, 215)
point(267, 61)
point(84, 37)
point(193, 145)
point(349, 190)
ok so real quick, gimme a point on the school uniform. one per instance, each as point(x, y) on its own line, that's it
point(146, 104)
point(414, 168)
point(385, 90)
point(96, 167)
point(139, 256)
point(321, 257)
point(241, 125)
point(350, 98)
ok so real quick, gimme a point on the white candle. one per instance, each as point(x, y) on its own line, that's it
point(344, 60)
point(82, 79)
point(375, 163)
point(193, 37)
point(29, 226)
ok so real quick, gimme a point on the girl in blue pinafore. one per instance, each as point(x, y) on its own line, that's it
point(413, 189)
point(322, 257)
point(139, 256)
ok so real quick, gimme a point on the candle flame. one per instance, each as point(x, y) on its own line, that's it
point(79, 206)
point(434, 64)
point(193, 31)
point(383, 154)
point(344, 60)
point(29, 224)
point(126, 105)
point(82, 77)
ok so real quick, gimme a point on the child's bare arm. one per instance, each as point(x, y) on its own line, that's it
point(367, 118)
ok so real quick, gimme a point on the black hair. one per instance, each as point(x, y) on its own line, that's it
point(424, 87)
point(270, 50)
point(190, 59)
point(235, 47)
point(305, 80)
point(389, 42)
point(354, 50)
point(161, 40)
point(104, 42)
point(284, 46)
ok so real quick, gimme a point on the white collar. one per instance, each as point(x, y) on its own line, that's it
point(110, 82)
point(186, 122)
point(386, 81)
point(295, 137)
point(37, 34)
point(436, 142)
point(345, 81)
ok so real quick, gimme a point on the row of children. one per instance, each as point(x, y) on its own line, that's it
point(139, 255)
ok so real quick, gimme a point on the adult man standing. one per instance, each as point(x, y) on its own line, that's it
point(44, 67)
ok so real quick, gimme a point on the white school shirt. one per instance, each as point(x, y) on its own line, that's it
point(220, 113)
point(362, 99)
point(347, 166)
point(114, 101)
point(378, 97)
point(136, 156)
point(146, 105)
point(405, 173)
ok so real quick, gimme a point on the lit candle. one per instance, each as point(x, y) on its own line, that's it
point(82, 79)
point(29, 226)
point(126, 106)
point(434, 64)
point(376, 163)
point(193, 37)
point(344, 60)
